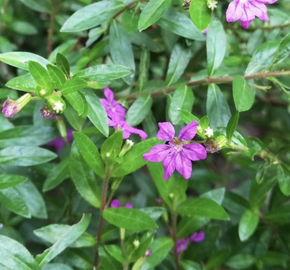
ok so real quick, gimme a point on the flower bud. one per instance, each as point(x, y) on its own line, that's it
point(45, 91)
point(148, 253)
point(47, 112)
point(136, 243)
point(127, 146)
point(11, 107)
point(56, 103)
point(214, 145)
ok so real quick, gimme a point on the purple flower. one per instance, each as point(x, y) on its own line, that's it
point(11, 107)
point(47, 112)
point(246, 10)
point(112, 107)
point(117, 124)
point(178, 153)
point(59, 142)
point(181, 245)
point(116, 204)
point(148, 253)
point(197, 237)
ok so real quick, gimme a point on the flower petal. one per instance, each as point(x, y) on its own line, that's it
point(169, 165)
point(234, 11)
point(194, 151)
point(166, 131)
point(183, 165)
point(245, 24)
point(247, 16)
point(157, 153)
point(259, 10)
point(115, 204)
point(188, 132)
point(140, 132)
point(128, 205)
point(109, 94)
point(267, 1)
point(197, 237)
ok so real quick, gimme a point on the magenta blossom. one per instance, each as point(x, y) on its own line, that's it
point(117, 204)
point(197, 237)
point(112, 107)
point(47, 112)
point(148, 253)
point(246, 10)
point(182, 244)
point(11, 107)
point(59, 142)
point(178, 153)
point(127, 129)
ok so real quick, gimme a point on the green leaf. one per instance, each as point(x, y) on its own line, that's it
point(57, 76)
point(23, 28)
point(56, 175)
point(240, 261)
point(203, 207)
point(64, 49)
point(139, 109)
point(283, 51)
point(12, 199)
point(133, 160)
point(73, 85)
point(27, 136)
point(235, 203)
point(104, 72)
point(215, 45)
point(182, 99)
point(284, 180)
point(262, 57)
point(153, 212)
point(9, 180)
point(64, 241)
point(129, 219)
point(187, 117)
point(96, 112)
point(243, 94)
point(14, 256)
point(24, 83)
point(21, 59)
point(279, 215)
point(217, 107)
point(83, 178)
point(143, 69)
point(130, 20)
point(53, 232)
point(152, 12)
point(77, 101)
point(216, 195)
point(248, 224)
point(25, 156)
point(179, 60)
point(39, 73)
point(160, 249)
point(200, 14)
point(189, 225)
point(116, 252)
point(90, 153)
point(180, 24)
point(232, 125)
point(91, 16)
point(33, 199)
point(35, 5)
point(63, 64)
point(56, 266)
point(121, 49)
point(107, 261)
point(217, 259)
point(112, 146)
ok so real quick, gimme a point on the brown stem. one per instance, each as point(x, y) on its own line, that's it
point(103, 206)
point(51, 27)
point(208, 81)
point(174, 237)
point(270, 27)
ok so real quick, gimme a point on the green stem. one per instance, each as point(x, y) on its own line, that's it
point(238, 147)
point(174, 237)
point(103, 207)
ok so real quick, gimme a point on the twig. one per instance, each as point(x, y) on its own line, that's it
point(103, 206)
point(208, 81)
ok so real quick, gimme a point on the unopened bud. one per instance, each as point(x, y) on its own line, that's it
point(127, 146)
point(56, 103)
point(171, 195)
point(11, 107)
point(47, 112)
point(136, 243)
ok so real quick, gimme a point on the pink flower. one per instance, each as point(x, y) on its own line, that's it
point(112, 107)
point(246, 10)
point(11, 107)
point(117, 204)
point(182, 244)
point(148, 253)
point(197, 237)
point(178, 153)
point(59, 142)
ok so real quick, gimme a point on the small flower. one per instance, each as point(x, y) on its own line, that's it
point(181, 245)
point(212, 4)
point(127, 146)
point(136, 243)
point(116, 204)
point(58, 106)
point(118, 124)
point(112, 107)
point(148, 253)
point(11, 107)
point(197, 237)
point(47, 112)
point(179, 152)
point(246, 10)
point(56, 103)
point(59, 142)
point(208, 132)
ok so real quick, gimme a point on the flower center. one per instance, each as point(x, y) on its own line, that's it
point(177, 145)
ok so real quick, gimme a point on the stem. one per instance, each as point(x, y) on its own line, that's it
point(209, 81)
point(103, 206)
point(174, 237)
point(51, 28)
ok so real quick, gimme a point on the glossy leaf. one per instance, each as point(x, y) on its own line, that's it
point(63, 64)
point(73, 85)
point(24, 83)
point(9, 180)
point(129, 218)
point(200, 14)
point(284, 180)
point(77, 101)
point(64, 49)
point(112, 146)
point(232, 125)
point(182, 99)
point(130, 20)
point(39, 73)
point(56, 75)
point(139, 109)
point(248, 224)
point(240, 261)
